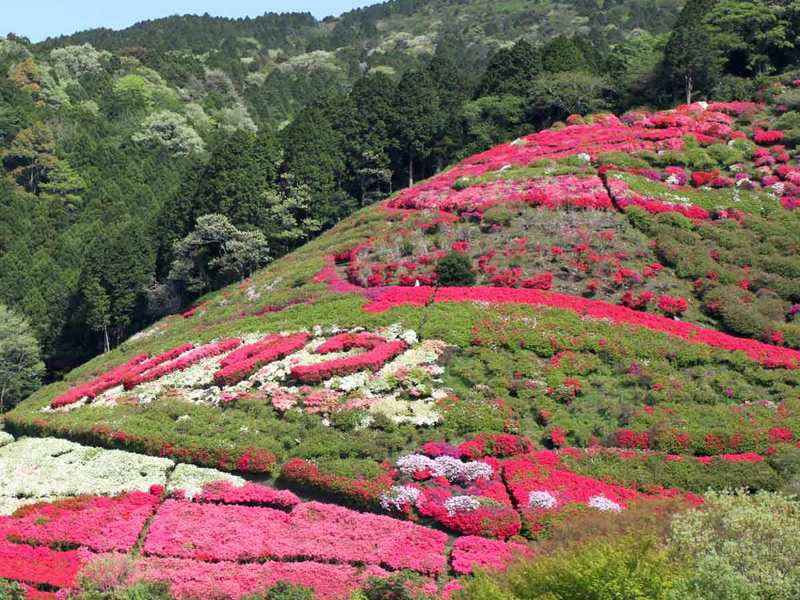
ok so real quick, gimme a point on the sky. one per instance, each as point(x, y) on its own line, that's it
point(51, 18)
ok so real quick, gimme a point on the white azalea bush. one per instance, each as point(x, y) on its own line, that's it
point(191, 479)
point(36, 469)
point(49, 469)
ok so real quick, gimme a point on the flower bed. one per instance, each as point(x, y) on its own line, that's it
point(248, 359)
point(371, 360)
point(359, 492)
point(40, 565)
point(312, 530)
point(102, 524)
point(471, 551)
point(192, 579)
point(250, 493)
point(772, 356)
point(38, 468)
point(181, 363)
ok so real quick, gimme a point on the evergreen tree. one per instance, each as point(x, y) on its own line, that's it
point(511, 70)
point(417, 117)
point(563, 54)
point(689, 56)
point(21, 368)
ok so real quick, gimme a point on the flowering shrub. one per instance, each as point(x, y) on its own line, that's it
point(40, 565)
point(192, 579)
point(272, 348)
point(182, 362)
point(471, 551)
point(372, 360)
point(312, 530)
point(250, 493)
point(98, 523)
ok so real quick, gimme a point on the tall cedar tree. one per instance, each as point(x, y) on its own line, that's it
point(417, 117)
point(511, 71)
point(689, 56)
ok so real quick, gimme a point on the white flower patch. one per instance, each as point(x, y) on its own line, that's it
point(415, 412)
point(461, 504)
point(603, 504)
point(452, 468)
point(5, 438)
point(38, 468)
point(397, 496)
point(542, 500)
point(191, 479)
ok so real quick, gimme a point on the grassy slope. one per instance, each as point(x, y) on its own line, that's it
point(554, 370)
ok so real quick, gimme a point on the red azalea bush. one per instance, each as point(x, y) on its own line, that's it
point(184, 361)
point(240, 364)
point(360, 492)
point(371, 360)
point(98, 523)
point(190, 579)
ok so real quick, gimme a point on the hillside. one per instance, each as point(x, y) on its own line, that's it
point(623, 334)
point(113, 142)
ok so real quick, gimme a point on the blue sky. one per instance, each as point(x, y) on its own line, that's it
point(50, 18)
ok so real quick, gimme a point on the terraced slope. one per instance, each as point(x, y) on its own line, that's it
point(630, 336)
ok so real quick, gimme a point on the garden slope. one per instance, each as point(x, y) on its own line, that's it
point(634, 303)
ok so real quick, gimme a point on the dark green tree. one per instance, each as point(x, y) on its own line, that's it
point(563, 54)
point(21, 368)
point(511, 70)
point(417, 117)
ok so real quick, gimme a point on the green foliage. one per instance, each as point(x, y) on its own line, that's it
point(741, 546)
point(455, 269)
point(21, 369)
point(171, 131)
point(629, 567)
point(283, 591)
point(217, 246)
point(405, 585)
point(10, 590)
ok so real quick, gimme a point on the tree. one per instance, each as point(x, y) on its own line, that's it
point(291, 215)
point(76, 61)
point(216, 248)
point(564, 94)
point(31, 156)
point(98, 316)
point(691, 59)
point(26, 77)
point(754, 30)
point(417, 117)
point(490, 120)
point(21, 369)
point(63, 191)
point(171, 131)
point(562, 55)
point(511, 70)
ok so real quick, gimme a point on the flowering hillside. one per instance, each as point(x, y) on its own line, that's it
point(592, 317)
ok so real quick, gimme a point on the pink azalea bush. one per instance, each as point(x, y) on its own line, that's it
point(312, 531)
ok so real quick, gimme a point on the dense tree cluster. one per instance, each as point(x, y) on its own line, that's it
point(116, 144)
